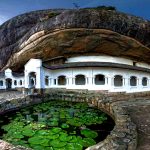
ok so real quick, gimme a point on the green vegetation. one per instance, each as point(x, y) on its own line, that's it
point(54, 125)
point(102, 8)
point(52, 14)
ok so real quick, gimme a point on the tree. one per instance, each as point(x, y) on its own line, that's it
point(76, 5)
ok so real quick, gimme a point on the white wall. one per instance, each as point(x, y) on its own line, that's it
point(34, 65)
point(90, 74)
point(106, 58)
point(4, 86)
point(100, 59)
point(8, 75)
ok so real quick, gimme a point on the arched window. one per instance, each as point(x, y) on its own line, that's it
point(1, 83)
point(133, 81)
point(144, 81)
point(80, 80)
point(15, 82)
point(99, 79)
point(118, 80)
point(62, 80)
point(46, 80)
point(32, 79)
point(20, 82)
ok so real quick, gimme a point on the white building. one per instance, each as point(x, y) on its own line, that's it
point(112, 74)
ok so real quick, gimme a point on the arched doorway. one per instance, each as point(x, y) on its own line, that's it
point(32, 80)
point(80, 80)
point(8, 83)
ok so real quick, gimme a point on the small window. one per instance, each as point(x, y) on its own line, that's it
point(144, 81)
point(15, 82)
point(80, 80)
point(61, 80)
point(46, 80)
point(54, 81)
point(1, 83)
point(133, 81)
point(99, 79)
point(134, 63)
point(20, 82)
point(118, 81)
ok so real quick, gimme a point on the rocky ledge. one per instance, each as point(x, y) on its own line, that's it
point(49, 33)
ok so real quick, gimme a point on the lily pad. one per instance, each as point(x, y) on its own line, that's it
point(64, 126)
point(35, 140)
point(17, 135)
point(89, 133)
point(52, 137)
point(57, 143)
point(56, 130)
point(65, 137)
point(53, 123)
point(88, 142)
point(28, 132)
point(74, 146)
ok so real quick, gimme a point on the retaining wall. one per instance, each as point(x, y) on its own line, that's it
point(122, 137)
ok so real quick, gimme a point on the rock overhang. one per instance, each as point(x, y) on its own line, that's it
point(80, 41)
point(75, 32)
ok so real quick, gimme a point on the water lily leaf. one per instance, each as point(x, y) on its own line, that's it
point(38, 147)
point(28, 132)
point(42, 132)
point(74, 146)
point(52, 137)
point(56, 130)
point(88, 142)
point(45, 142)
point(57, 143)
point(65, 137)
point(64, 126)
point(17, 135)
point(35, 140)
point(74, 139)
point(89, 133)
point(53, 123)
point(48, 148)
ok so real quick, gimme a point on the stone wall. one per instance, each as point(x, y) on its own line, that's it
point(122, 137)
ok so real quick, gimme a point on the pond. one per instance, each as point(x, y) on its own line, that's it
point(56, 125)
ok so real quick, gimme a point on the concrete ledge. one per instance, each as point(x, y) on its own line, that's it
point(122, 137)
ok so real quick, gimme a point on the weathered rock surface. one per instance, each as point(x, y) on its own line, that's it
point(45, 34)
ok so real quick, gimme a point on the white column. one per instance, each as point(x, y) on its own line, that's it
point(139, 85)
point(69, 83)
point(26, 80)
point(90, 81)
point(73, 80)
point(106, 80)
point(148, 82)
point(109, 83)
point(126, 83)
point(49, 81)
point(56, 81)
point(86, 81)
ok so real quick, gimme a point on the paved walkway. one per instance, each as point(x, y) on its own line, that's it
point(139, 111)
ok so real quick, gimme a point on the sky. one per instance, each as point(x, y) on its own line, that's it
point(11, 8)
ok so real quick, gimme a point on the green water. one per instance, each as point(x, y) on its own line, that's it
point(56, 125)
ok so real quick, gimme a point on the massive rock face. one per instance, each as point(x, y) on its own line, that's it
point(50, 33)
